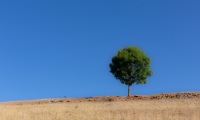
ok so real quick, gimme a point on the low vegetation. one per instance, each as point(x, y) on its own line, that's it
point(110, 108)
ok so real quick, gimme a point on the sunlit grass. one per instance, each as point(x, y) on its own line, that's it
point(188, 109)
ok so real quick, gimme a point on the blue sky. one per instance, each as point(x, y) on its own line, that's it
point(52, 49)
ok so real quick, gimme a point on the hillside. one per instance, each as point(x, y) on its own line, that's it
point(176, 106)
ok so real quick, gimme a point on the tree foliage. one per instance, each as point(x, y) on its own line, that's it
point(131, 65)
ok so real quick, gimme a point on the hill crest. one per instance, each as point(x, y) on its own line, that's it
point(185, 95)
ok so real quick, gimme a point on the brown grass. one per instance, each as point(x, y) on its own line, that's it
point(168, 109)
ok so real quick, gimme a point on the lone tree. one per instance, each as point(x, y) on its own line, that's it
point(130, 66)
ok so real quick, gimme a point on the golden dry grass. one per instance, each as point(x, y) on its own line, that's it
point(186, 109)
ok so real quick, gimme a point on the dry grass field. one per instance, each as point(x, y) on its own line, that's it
point(149, 109)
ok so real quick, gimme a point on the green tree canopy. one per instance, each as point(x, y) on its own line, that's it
point(130, 66)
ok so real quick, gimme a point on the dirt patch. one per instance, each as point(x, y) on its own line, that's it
point(188, 95)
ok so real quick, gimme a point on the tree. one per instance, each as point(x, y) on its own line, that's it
point(131, 65)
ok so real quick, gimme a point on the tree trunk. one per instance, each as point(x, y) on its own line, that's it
point(129, 87)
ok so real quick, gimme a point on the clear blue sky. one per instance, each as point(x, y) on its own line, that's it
point(57, 48)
